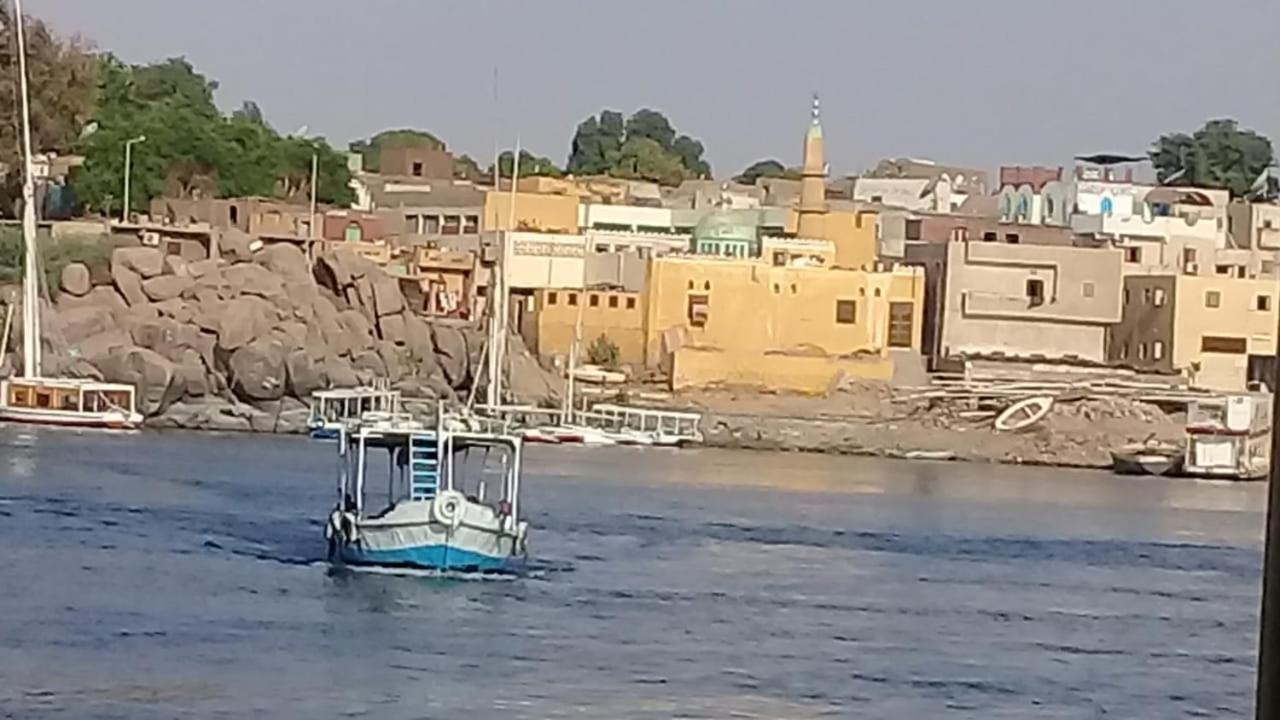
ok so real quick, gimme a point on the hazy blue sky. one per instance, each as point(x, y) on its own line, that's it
point(976, 81)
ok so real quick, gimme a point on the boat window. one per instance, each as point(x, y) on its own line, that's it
point(44, 398)
point(70, 401)
point(18, 396)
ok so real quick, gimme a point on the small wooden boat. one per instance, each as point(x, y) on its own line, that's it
point(1024, 413)
point(1147, 458)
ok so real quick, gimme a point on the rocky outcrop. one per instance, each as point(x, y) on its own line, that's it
point(241, 342)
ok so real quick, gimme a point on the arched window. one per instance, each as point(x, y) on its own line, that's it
point(1107, 206)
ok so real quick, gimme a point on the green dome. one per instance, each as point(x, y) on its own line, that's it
point(726, 225)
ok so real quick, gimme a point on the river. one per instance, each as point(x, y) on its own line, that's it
point(163, 575)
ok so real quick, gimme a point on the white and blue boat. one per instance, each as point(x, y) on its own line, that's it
point(450, 500)
point(333, 409)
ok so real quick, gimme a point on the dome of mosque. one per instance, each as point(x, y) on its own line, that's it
point(724, 224)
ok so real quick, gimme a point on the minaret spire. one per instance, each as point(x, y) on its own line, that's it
point(813, 183)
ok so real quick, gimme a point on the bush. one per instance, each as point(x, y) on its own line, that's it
point(94, 251)
point(603, 352)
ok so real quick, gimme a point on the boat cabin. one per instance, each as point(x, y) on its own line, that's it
point(1229, 436)
point(69, 395)
point(420, 464)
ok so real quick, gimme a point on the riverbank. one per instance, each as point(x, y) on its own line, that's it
point(868, 420)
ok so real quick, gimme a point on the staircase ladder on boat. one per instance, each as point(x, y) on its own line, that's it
point(424, 466)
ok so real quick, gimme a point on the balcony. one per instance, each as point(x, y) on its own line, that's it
point(1162, 227)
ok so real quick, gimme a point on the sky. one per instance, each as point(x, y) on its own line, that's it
point(977, 82)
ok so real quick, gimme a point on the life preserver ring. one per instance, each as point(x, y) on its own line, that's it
point(448, 507)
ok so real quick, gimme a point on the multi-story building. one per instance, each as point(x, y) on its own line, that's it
point(1023, 301)
point(1217, 331)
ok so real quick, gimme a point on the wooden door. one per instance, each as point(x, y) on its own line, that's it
point(901, 330)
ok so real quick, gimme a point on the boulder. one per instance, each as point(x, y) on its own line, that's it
point(328, 322)
point(356, 328)
point(99, 345)
point(207, 413)
point(338, 373)
point(200, 268)
point(258, 370)
point(128, 282)
point(166, 287)
point(176, 309)
point(190, 375)
point(387, 299)
point(104, 296)
point(235, 245)
point(147, 262)
point(292, 333)
point(304, 296)
point(391, 328)
point(392, 360)
point(175, 265)
point(253, 279)
point(240, 321)
point(451, 352)
point(147, 371)
point(305, 375)
point(417, 338)
point(76, 324)
point(159, 334)
point(369, 363)
point(285, 261)
point(75, 279)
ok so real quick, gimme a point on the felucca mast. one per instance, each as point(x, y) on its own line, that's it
point(31, 271)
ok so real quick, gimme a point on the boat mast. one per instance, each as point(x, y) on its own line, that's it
point(31, 271)
point(499, 297)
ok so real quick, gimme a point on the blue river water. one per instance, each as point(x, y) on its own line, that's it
point(180, 575)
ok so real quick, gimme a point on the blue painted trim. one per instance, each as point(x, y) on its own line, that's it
point(433, 557)
point(322, 433)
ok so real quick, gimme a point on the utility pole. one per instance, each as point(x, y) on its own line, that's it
point(128, 171)
point(1267, 700)
point(315, 166)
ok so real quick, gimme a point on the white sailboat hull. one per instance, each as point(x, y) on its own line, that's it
point(71, 418)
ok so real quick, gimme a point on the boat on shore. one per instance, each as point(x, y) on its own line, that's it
point(1147, 458)
point(331, 410)
point(451, 500)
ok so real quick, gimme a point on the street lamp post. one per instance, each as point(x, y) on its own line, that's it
point(128, 166)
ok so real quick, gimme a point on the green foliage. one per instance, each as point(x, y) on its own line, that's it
point(1218, 155)
point(530, 165)
point(766, 169)
point(603, 352)
point(643, 147)
point(371, 149)
point(55, 254)
point(191, 149)
point(466, 168)
point(62, 86)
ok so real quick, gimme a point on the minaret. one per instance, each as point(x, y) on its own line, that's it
point(813, 183)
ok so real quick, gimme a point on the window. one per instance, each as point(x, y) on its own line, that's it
point(1124, 351)
point(1212, 299)
point(846, 312)
point(354, 232)
point(1086, 289)
point(989, 237)
point(1263, 303)
point(1268, 267)
point(452, 225)
point(1035, 292)
point(707, 286)
point(877, 291)
point(416, 171)
point(1158, 297)
point(1157, 350)
point(233, 213)
point(431, 224)
point(1224, 270)
point(613, 301)
point(913, 230)
point(1142, 351)
point(594, 300)
point(471, 224)
point(631, 303)
point(1133, 254)
point(1188, 255)
point(1147, 294)
point(779, 258)
point(690, 284)
point(777, 289)
point(553, 298)
point(698, 310)
point(1012, 238)
point(1126, 296)
point(573, 299)
point(1230, 345)
point(411, 224)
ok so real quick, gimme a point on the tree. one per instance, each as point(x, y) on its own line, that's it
point(191, 149)
point(1218, 155)
point(371, 149)
point(530, 165)
point(62, 84)
point(603, 352)
point(644, 147)
point(250, 112)
point(466, 168)
point(766, 169)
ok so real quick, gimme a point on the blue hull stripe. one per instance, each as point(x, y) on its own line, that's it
point(434, 557)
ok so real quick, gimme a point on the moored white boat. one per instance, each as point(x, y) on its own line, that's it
point(1147, 458)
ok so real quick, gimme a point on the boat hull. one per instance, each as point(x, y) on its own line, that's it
point(409, 536)
point(1145, 463)
point(68, 418)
